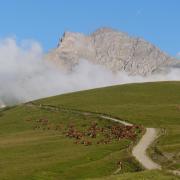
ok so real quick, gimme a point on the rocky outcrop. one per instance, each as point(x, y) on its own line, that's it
point(115, 50)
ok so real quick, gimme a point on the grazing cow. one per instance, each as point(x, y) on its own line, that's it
point(87, 143)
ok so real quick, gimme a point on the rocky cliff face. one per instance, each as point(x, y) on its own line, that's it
point(115, 50)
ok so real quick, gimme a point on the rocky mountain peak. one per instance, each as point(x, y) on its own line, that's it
point(104, 30)
point(115, 50)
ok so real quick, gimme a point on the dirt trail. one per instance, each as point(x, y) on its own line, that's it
point(117, 120)
point(139, 151)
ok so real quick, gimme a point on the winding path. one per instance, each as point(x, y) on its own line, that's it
point(139, 151)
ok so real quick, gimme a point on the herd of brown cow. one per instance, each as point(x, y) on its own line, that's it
point(103, 135)
point(116, 132)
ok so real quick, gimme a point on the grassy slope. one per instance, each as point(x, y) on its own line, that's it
point(151, 104)
point(47, 154)
point(144, 175)
point(37, 154)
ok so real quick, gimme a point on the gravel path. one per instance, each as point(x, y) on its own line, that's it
point(117, 120)
point(139, 151)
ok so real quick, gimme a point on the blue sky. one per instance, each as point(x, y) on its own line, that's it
point(157, 21)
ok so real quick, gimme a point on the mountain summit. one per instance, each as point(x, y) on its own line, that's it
point(115, 50)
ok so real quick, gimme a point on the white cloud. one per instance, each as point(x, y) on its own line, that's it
point(25, 75)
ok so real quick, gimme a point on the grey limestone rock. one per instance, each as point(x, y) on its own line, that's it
point(115, 50)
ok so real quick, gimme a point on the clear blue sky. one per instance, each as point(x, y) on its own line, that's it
point(157, 21)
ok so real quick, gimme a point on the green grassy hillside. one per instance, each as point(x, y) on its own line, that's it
point(34, 142)
point(151, 104)
point(144, 175)
point(34, 145)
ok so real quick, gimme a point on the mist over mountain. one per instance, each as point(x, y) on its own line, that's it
point(115, 50)
point(106, 57)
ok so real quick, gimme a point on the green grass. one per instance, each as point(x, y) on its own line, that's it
point(35, 154)
point(155, 104)
point(145, 175)
point(28, 153)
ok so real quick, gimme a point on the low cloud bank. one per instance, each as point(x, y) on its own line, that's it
point(25, 75)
